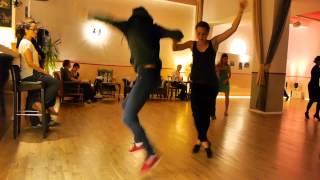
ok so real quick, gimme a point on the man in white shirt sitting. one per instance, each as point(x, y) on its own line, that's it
point(177, 79)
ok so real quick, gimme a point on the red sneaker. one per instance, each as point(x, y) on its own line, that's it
point(135, 147)
point(150, 163)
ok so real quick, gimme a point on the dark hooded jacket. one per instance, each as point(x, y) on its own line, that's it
point(143, 36)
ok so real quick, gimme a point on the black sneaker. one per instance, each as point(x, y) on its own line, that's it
point(196, 148)
point(209, 152)
point(306, 115)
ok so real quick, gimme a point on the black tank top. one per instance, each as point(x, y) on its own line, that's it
point(203, 67)
point(315, 75)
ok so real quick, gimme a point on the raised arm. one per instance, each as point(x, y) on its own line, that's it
point(122, 25)
point(229, 72)
point(219, 38)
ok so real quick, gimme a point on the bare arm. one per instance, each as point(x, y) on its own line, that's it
point(218, 71)
point(220, 38)
point(181, 46)
point(8, 51)
point(29, 61)
point(229, 72)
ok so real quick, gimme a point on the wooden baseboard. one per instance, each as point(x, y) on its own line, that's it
point(265, 113)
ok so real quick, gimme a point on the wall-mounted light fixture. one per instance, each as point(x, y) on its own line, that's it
point(239, 47)
point(95, 32)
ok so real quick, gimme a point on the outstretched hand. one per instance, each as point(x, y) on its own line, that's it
point(179, 35)
point(243, 4)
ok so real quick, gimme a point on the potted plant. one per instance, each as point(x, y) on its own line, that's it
point(50, 50)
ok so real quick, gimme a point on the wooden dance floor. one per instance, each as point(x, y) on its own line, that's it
point(91, 143)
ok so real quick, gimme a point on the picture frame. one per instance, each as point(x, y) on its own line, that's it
point(232, 63)
point(5, 13)
point(240, 65)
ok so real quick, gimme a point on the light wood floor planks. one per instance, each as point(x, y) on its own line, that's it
point(92, 143)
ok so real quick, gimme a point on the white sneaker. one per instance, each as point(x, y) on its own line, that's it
point(39, 125)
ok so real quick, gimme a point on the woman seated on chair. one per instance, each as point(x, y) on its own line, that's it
point(177, 79)
point(68, 75)
point(31, 71)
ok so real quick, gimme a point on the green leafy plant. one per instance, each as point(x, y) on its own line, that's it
point(51, 54)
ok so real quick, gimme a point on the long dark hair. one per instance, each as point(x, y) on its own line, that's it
point(140, 13)
point(316, 59)
point(21, 29)
point(224, 55)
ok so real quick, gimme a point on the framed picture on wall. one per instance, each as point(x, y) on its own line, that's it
point(5, 13)
point(232, 63)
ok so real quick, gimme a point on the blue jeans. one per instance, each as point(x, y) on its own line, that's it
point(146, 81)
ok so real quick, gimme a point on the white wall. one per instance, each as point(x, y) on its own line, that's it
point(240, 43)
point(65, 19)
point(304, 46)
point(220, 11)
point(220, 14)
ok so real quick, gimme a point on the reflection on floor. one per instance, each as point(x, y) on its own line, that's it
point(92, 143)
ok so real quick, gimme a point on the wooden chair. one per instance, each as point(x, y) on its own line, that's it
point(161, 91)
point(69, 89)
point(172, 91)
point(107, 87)
point(126, 87)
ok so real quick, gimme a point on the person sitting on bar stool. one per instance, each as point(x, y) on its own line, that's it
point(31, 71)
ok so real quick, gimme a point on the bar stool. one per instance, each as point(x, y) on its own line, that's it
point(21, 86)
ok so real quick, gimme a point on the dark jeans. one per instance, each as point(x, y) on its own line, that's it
point(183, 89)
point(311, 101)
point(88, 91)
point(97, 84)
point(285, 94)
point(314, 96)
point(51, 86)
point(146, 81)
point(202, 102)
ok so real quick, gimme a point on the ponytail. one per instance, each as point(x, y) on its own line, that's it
point(21, 29)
